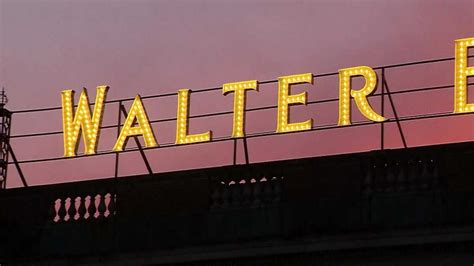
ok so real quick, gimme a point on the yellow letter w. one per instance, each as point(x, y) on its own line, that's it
point(81, 120)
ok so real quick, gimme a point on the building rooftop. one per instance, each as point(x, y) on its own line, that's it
point(403, 203)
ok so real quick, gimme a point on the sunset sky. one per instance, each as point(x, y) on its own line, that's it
point(156, 47)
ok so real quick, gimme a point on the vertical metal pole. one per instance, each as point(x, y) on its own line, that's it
point(382, 106)
point(402, 136)
point(246, 150)
point(114, 195)
point(119, 122)
point(235, 152)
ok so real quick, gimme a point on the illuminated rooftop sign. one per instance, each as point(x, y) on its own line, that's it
point(137, 123)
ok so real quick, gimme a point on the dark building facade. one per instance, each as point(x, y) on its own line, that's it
point(410, 206)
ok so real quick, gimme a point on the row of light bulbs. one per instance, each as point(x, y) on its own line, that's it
point(137, 122)
point(462, 71)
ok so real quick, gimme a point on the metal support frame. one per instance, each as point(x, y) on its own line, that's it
point(5, 120)
point(139, 145)
point(6, 149)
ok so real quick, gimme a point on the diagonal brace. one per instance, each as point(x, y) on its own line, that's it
point(17, 165)
point(139, 145)
point(402, 136)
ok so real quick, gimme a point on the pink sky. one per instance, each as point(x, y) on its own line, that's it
point(154, 47)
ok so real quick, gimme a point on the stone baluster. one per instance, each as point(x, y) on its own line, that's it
point(92, 207)
point(72, 211)
point(108, 201)
point(82, 207)
point(54, 211)
point(101, 208)
point(62, 210)
point(113, 204)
